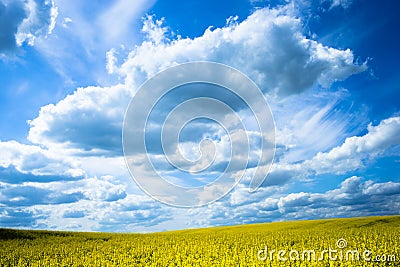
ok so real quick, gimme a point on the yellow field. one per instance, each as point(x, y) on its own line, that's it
point(373, 241)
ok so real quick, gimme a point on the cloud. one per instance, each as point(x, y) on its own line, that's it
point(74, 214)
point(40, 20)
point(103, 191)
point(31, 159)
point(89, 121)
point(67, 203)
point(20, 217)
point(85, 31)
point(30, 187)
point(328, 117)
point(355, 153)
point(353, 197)
point(116, 21)
point(357, 150)
point(22, 21)
point(30, 195)
point(133, 211)
point(268, 46)
point(11, 175)
point(11, 16)
point(342, 3)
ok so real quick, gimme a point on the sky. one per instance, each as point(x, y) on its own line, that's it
point(69, 69)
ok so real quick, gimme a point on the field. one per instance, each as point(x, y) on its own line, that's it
point(372, 241)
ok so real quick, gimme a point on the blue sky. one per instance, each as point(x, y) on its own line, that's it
point(68, 69)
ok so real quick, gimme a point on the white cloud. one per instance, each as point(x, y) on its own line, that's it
point(342, 3)
point(111, 61)
point(353, 197)
point(356, 150)
point(66, 21)
point(315, 122)
point(35, 160)
point(293, 200)
point(40, 20)
point(115, 23)
point(154, 29)
point(268, 46)
point(23, 21)
point(89, 121)
point(103, 203)
point(353, 154)
point(20, 217)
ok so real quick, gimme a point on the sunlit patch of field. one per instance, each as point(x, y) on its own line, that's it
point(372, 241)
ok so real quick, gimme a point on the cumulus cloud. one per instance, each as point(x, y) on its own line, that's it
point(353, 154)
point(31, 159)
point(357, 150)
point(23, 21)
point(353, 197)
point(41, 189)
point(93, 203)
point(35, 192)
point(88, 121)
point(268, 46)
point(131, 213)
point(74, 214)
point(30, 195)
point(11, 175)
point(20, 217)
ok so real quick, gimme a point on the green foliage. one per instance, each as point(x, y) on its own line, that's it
point(218, 246)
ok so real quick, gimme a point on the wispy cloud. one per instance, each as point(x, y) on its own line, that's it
point(85, 31)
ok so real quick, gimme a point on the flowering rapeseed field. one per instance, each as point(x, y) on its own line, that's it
point(372, 241)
